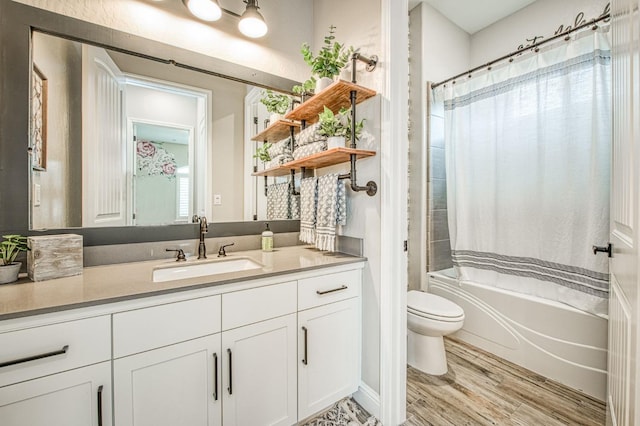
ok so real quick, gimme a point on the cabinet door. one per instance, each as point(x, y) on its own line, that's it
point(80, 397)
point(173, 385)
point(259, 376)
point(329, 355)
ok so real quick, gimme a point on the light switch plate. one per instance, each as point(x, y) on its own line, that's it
point(217, 199)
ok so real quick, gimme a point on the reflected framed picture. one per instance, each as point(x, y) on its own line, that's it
point(39, 93)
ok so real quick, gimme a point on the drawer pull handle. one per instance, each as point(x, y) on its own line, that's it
point(305, 360)
point(100, 405)
point(215, 376)
point(35, 357)
point(343, 287)
point(230, 388)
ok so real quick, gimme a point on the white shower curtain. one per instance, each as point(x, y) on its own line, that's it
point(528, 164)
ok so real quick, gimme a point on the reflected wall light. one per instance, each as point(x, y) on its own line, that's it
point(252, 23)
point(207, 10)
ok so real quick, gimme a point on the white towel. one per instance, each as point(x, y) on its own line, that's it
point(331, 210)
point(308, 201)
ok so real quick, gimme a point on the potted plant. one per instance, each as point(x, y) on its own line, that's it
point(305, 89)
point(329, 61)
point(357, 128)
point(9, 249)
point(333, 126)
point(277, 104)
point(262, 153)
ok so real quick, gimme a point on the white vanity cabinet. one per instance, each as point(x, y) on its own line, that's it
point(259, 356)
point(329, 340)
point(269, 351)
point(166, 368)
point(56, 374)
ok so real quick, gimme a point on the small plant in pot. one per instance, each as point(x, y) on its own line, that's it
point(262, 153)
point(333, 126)
point(305, 90)
point(329, 61)
point(277, 104)
point(10, 247)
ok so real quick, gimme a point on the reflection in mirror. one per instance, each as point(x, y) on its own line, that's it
point(131, 141)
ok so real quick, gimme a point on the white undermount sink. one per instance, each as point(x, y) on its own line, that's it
point(183, 270)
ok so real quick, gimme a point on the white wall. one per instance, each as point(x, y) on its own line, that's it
point(541, 18)
point(363, 219)
point(61, 200)
point(169, 22)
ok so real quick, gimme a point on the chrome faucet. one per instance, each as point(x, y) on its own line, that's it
point(204, 228)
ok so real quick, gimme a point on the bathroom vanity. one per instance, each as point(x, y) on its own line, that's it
point(269, 345)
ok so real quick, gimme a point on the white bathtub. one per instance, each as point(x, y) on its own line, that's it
point(550, 338)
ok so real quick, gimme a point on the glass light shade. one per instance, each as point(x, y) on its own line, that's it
point(207, 10)
point(252, 23)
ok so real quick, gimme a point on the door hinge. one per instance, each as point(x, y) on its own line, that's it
point(255, 169)
point(255, 217)
point(255, 120)
point(406, 245)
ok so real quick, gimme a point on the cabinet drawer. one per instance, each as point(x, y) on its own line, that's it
point(157, 326)
point(328, 288)
point(40, 351)
point(258, 304)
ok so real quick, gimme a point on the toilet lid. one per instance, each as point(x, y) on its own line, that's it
point(432, 305)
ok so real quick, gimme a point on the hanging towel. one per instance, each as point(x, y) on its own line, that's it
point(278, 201)
point(331, 210)
point(308, 200)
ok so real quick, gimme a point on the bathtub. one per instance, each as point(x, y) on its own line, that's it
point(555, 340)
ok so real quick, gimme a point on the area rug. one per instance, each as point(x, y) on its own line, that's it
point(346, 412)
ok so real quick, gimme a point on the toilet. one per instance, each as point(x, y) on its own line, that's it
point(429, 318)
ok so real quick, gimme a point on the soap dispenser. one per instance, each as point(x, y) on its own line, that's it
point(267, 238)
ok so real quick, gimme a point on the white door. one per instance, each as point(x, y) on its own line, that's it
point(80, 397)
point(622, 393)
point(104, 154)
point(169, 386)
point(259, 373)
point(328, 355)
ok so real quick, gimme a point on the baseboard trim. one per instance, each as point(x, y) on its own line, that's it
point(368, 399)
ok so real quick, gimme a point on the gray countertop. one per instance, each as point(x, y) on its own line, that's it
point(125, 281)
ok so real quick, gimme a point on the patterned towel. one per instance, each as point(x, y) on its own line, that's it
point(278, 201)
point(331, 210)
point(310, 149)
point(308, 200)
point(279, 148)
point(310, 135)
point(277, 160)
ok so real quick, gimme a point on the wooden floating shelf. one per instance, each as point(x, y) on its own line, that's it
point(277, 131)
point(334, 97)
point(316, 161)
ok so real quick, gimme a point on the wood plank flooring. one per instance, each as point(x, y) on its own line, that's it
point(482, 389)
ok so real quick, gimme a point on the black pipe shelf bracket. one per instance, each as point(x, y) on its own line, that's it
point(371, 187)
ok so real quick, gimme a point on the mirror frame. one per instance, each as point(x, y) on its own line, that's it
point(17, 21)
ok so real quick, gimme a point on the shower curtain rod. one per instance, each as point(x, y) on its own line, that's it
point(519, 51)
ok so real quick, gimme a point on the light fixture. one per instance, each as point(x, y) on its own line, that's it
point(207, 10)
point(251, 22)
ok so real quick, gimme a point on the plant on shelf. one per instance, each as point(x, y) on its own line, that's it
point(334, 127)
point(329, 61)
point(346, 112)
point(276, 103)
point(9, 250)
point(262, 153)
point(305, 89)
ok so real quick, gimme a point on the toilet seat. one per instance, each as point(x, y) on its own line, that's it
point(433, 307)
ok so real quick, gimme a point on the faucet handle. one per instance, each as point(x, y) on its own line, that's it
point(180, 257)
point(222, 252)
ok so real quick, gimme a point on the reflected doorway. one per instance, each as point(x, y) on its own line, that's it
point(162, 177)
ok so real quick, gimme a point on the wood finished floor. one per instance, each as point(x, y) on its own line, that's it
point(482, 389)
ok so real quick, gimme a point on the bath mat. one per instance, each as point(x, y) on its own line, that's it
point(346, 412)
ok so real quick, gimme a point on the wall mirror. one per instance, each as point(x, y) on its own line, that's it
point(182, 132)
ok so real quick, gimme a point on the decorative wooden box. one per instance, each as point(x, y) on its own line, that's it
point(54, 256)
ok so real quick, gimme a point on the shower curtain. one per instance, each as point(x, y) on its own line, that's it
point(527, 149)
